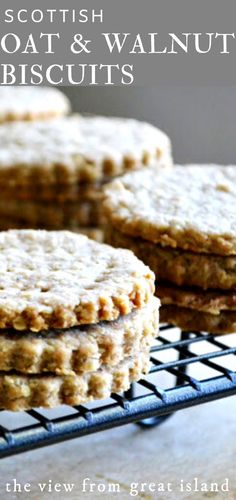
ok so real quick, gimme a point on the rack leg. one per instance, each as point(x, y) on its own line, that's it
point(148, 423)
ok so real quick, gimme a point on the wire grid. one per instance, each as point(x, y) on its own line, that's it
point(186, 369)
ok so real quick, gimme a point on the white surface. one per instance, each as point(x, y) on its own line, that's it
point(199, 442)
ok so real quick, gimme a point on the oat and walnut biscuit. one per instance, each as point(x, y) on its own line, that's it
point(23, 392)
point(31, 103)
point(189, 207)
point(61, 279)
point(77, 149)
point(193, 320)
point(92, 232)
point(52, 172)
point(178, 266)
point(81, 349)
point(182, 223)
point(77, 319)
point(50, 214)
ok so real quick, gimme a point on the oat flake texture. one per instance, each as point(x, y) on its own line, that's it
point(62, 279)
point(193, 320)
point(22, 392)
point(77, 149)
point(192, 207)
point(82, 349)
point(210, 301)
point(178, 266)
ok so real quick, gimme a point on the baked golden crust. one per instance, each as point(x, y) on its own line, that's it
point(23, 392)
point(211, 301)
point(193, 320)
point(179, 266)
point(51, 215)
point(31, 103)
point(77, 149)
point(80, 349)
point(190, 207)
point(58, 193)
point(62, 279)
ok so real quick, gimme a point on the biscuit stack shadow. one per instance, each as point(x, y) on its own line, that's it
point(182, 223)
point(77, 319)
point(52, 172)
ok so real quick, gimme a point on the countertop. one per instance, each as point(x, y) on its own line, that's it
point(195, 443)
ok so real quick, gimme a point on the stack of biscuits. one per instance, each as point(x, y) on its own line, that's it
point(52, 171)
point(182, 223)
point(31, 103)
point(77, 319)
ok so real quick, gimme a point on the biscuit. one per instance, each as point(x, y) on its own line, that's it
point(77, 149)
point(22, 392)
point(179, 266)
point(62, 279)
point(91, 232)
point(58, 193)
point(193, 320)
point(210, 301)
point(30, 103)
point(51, 215)
point(190, 207)
point(80, 349)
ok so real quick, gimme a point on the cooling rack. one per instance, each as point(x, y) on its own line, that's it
point(187, 369)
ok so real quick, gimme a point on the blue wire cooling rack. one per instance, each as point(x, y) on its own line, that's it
point(187, 369)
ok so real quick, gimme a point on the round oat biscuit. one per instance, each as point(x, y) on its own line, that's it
point(57, 193)
point(192, 207)
point(90, 231)
point(30, 103)
point(180, 267)
point(23, 392)
point(62, 279)
point(77, 149)
point(81, 349)
point(210, 301)
point(193, 320)
point(50, 214)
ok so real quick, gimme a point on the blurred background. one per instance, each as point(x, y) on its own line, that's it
point(201, 121)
